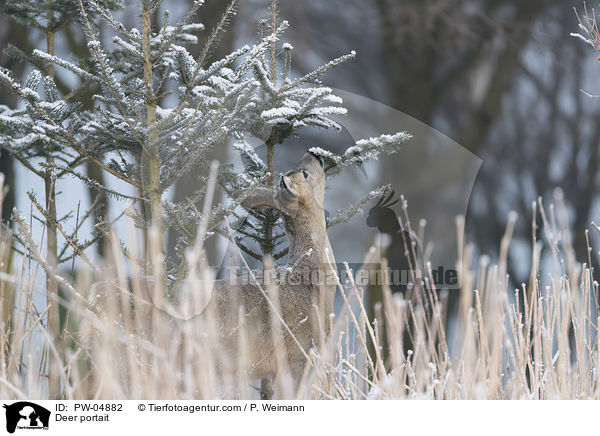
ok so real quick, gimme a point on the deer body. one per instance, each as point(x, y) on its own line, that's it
point(304, 300)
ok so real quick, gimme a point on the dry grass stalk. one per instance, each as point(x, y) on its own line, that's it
point(536, 342)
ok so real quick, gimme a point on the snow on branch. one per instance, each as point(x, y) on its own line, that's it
point(65, 64)
point(363, 150)
point(588, 27)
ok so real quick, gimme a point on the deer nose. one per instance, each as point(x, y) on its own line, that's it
point(288, 186)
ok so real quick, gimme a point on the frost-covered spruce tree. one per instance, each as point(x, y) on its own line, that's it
point(159, 111)
point(282, 105)
point(35, 134)
point(156, 115)
point(153, 143)
point(130, 132)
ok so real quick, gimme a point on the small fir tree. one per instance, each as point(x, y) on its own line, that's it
point(159, 111)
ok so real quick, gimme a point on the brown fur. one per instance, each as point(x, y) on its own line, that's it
point(300, 201)
point(299, 197)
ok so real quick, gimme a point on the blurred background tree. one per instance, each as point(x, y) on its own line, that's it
point(470, 68)
point(502, 78)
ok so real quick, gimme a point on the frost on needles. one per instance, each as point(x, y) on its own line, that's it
point(157, 111)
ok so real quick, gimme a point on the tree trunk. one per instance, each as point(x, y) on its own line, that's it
point(187, 186)
point(9, 32)
point(51, 251)
point(152, 189)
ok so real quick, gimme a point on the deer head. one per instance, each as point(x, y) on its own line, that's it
point(300, 190)
point(299, 196)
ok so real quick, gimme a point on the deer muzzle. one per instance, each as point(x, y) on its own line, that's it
point(287, 185)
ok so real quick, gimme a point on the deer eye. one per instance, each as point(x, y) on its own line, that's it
point(305, 174)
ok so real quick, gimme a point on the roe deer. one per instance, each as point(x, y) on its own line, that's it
point(306, 301)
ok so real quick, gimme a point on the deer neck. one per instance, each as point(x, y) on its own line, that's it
point(308, 232)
